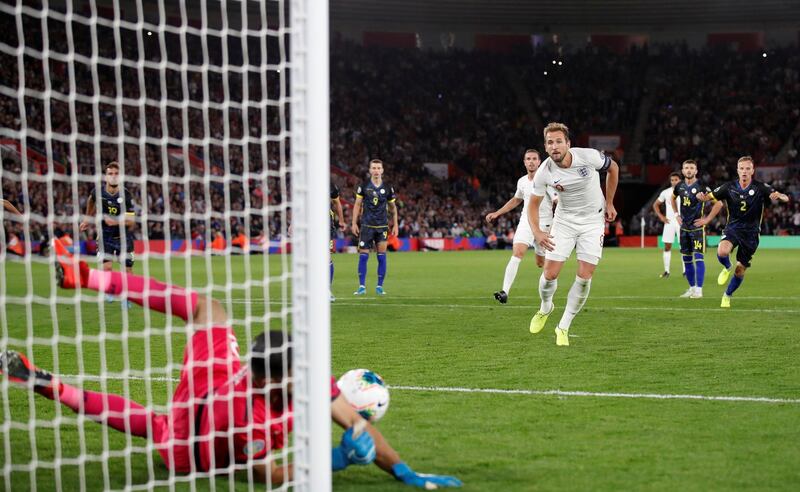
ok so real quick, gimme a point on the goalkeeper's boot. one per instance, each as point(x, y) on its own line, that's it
point(724, 275)
point(65, 273)
point(501, 296)
point(61, 249)
point(726, 301)
point(562, 337)
point(539, 319)
point(379, 290)
point(362, 291)
point(19, 370)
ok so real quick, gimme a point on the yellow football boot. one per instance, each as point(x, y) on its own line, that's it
point(562, 337)
point(539, 319)
point(724, 275)
point(726, 301)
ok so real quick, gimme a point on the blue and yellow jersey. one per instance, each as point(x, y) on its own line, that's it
point(114, 205)
point(745, 205)
point(375, 201)
point(690, 208)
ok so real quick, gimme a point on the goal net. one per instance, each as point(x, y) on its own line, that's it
point(216, 114)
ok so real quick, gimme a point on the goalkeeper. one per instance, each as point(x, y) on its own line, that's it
point(221, 413)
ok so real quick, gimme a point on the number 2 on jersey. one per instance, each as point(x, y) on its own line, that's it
point(743, 208)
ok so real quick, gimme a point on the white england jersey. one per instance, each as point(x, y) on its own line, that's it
point(580, 199)
point(524, 192)
point(666, 197)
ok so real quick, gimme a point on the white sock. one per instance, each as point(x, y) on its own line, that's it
point(576, 298)
point(547, 289)
point(511, 273)
point(667, 256)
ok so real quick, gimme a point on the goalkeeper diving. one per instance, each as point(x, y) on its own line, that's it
point(222, 412)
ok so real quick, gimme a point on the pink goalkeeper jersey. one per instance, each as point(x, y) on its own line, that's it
point(213, 424)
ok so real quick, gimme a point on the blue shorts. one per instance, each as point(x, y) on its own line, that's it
point(745, 242)
point(111, 249)
point(370, 235)
point(693, 241)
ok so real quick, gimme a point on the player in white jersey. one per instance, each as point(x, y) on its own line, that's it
point(578, 223)
point(523, 237)
point(670, 224)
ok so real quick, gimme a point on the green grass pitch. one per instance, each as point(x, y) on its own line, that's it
point(440, 328)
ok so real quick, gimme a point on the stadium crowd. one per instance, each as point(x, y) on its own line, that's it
point(205, 144)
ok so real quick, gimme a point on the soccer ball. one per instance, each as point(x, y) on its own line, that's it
point(366, 392)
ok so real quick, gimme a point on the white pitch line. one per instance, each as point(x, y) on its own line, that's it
point(649, 396)
point(597, 308)
point(444, 389)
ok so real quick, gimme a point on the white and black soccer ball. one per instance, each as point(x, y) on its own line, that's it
point(366, 392)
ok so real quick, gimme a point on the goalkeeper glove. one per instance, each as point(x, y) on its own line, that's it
point(353, 450)
point(408, 476)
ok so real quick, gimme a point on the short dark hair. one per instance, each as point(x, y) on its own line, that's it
point(375, 161)
point(266, 359)
point(692, 162)
point(675, 174)
point(112, 165)
point(534, 151)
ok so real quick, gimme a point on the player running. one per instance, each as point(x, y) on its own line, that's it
point(523, 236)
point(221, 412)
point(116, 207)
point(745, 199)
point(692, 236)
point(336, 212)
point(668, 219)
point(376, 199)
point(578, 222)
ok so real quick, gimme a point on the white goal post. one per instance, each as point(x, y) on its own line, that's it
point(217, 112)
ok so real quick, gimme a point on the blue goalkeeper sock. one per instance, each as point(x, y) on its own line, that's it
point(700, 268)
point(331, 268)
point(381, 268)
point(725, 260)
point(687, 262)
point(733, 285)
point(362, 268)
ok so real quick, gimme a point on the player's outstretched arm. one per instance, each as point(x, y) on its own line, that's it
point(708, 218)
point(509, 206)
point(657, 210)
point(387, 458)
point(612, 179)
point(356, 214)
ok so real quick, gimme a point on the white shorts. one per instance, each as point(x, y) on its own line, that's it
point(587, 240)
point(524, 235)
point(670, 231)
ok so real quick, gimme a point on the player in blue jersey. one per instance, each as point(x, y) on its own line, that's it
point(376, 200)
point(745, 199)
point(692, 237)
point(336, 213)
point(115, 239)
